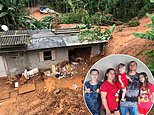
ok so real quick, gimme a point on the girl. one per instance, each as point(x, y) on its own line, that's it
point(109, 93)
point(91, 91)
point(123, 80)
point(146, 97)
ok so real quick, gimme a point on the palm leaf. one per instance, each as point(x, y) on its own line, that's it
point(152, 1)
point(1, 7)
point(3, 14)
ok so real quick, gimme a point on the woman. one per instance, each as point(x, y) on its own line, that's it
point(110, 93)
point(146, 97)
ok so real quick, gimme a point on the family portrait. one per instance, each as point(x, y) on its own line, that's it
point(124, 86)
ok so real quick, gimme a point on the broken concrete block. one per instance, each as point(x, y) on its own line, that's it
point(26, 88)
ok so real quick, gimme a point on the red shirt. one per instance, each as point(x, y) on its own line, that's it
point(145, 99)
point(112, 96)
point(123, 79)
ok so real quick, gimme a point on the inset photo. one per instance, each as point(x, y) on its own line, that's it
point(119, 85)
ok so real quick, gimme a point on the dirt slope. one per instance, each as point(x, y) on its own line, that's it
point(123, 41)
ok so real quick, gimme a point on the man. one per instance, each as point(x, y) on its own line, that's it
point(132, 91)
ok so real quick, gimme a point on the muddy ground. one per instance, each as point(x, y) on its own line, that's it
point(53, 96)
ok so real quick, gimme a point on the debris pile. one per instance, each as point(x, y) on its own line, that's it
point(56, 102)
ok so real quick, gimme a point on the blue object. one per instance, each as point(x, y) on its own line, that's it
point(93, 99)
point(42, 7)
point(132, 110)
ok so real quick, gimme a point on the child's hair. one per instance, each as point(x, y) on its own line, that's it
point(94, 70)
point(107, 71)
point(121, 65)
point(146, 79)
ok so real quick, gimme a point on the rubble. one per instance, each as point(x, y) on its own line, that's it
point(26, 88)
point(49, 95)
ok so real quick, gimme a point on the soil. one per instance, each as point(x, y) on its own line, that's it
point(58, 96)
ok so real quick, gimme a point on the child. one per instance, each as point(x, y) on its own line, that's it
point(91, 91)
point(123, 80)
point(146, 97)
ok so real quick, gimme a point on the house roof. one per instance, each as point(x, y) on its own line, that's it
point(14, 38)
point(45, 39)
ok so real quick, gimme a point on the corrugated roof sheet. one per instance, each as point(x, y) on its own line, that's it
point(13, 40)
point(14, 37)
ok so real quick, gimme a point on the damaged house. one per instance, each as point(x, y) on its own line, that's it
point(42, 48)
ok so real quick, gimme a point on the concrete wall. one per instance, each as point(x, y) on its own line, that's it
point(14, 61)
point(34, 60)
point(31, 59)
point(95, 49)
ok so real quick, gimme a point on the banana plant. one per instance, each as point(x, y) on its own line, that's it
point(1, 11)
point(152, 1)
point(150, 33)
point(10, 11)
point(32, 23)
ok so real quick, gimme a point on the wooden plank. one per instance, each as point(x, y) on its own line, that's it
point(26, 88)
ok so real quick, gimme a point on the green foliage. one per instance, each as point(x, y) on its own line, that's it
point(152, 19)
point(150, 60)
point(152, 1)
point(133, 23)
point(83, 26)
point(85, 16)
point(149, 35)
point(67, 18)
point(32, 23)
point(101, 19)
point(96, 34)
point(120, 10)
point(10, 11)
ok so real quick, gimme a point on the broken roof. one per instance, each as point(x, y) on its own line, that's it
point(45, 39)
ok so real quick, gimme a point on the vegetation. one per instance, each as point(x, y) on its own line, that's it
point(149, 35)
point(96, 34)
point(32, 23)
point(11, 11)
point(102, 12)
point(133, 23)
point(120, 10)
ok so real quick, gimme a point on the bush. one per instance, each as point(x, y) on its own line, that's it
point(133, 23)
point(68, 18)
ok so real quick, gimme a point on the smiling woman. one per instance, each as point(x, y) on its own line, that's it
point(108, 67)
